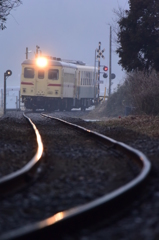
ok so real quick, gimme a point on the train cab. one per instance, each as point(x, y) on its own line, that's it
point(44, 82)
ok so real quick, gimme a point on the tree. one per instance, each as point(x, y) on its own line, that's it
point(5, 7)
point(138, 36)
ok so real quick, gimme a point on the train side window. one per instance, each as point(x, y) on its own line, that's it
point(29, 72)
point(53, 74)
point(41, 74)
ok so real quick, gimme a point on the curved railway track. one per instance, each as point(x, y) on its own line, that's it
point(21, 178)
point(76, 217)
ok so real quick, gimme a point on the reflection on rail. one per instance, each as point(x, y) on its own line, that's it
point(19, 179)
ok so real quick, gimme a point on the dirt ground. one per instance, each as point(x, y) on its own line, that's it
point(144, 124)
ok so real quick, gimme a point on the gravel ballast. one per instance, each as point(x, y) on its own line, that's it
point(138, 222)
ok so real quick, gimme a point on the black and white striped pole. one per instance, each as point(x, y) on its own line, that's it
point(100, 54)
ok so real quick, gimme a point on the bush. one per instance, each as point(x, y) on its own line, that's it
point(140, 92)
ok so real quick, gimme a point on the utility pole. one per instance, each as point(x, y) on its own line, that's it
point(99, 69)
point(110, 60)
point(95, 74)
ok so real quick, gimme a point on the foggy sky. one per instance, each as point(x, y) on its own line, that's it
point(70, 29)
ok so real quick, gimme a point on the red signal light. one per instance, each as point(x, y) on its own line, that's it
point(105, 68)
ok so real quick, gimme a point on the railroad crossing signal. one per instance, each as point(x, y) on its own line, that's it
point(105, 75)
point(100, 53)
point(105, 68)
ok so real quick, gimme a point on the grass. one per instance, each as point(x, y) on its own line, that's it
point(143, 124)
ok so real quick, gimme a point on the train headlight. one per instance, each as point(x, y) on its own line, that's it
point(41, 62)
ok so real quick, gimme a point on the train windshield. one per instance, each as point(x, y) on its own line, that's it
point(29, 72)
point(53, 74)
point(41, 74)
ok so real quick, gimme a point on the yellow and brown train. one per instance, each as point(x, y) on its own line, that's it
point(51, 84)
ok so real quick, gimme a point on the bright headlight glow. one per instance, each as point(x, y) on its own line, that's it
point(41, 62)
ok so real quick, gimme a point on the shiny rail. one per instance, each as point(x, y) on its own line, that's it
point(86, 214)
point(20, 178)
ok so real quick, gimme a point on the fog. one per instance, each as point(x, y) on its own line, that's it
point(70, 29)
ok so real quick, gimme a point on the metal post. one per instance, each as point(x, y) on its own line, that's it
point(99, 71)
point(95, 75)
point(26, 53)
point(110, 53)
point(4, 93)
point(100, 54)
point(17, 103)
point(19, 100)
point(2, 98)
point(104, 93)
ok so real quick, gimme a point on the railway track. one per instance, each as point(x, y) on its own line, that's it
point(76, 217)
point(22, 177)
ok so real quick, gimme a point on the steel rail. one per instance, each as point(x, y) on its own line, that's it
point(20, 178)
point(82, 215)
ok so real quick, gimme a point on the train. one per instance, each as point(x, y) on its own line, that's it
point(52, 83)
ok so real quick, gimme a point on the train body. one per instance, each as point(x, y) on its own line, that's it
point(57, 85)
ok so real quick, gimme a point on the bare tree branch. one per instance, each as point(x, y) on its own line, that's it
point(5, 7)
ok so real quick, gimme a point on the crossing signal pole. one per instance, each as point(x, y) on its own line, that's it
point(100, 54)
point(105, 75)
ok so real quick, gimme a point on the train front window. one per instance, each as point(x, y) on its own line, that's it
point(53, 74)
point(29, 72)
point(41, 74)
